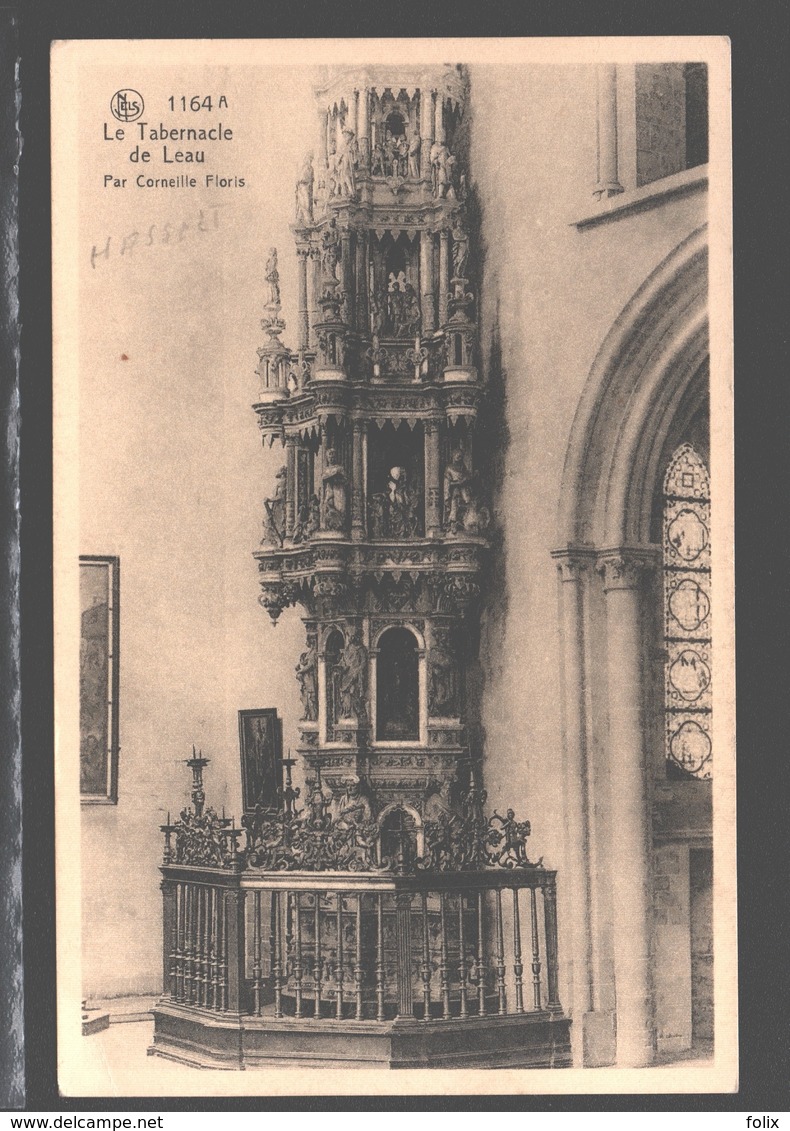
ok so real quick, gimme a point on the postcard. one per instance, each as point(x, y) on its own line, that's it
point(393, 567)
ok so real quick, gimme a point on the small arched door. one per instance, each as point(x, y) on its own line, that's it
point(397, 686)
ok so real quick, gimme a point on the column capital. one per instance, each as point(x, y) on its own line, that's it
point(626, 567)
point(574, 563)
point(359, 426)
point(303, 251)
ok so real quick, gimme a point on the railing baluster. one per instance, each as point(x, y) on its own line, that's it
point(256, 952)
point(358, 960)
point(339, 971)
point(179, 995)
point(207, 949)
point(216, 952)
point(462, 969)
point(550, 921)
point(533, 907)
point(379, 957)
point(196, 945)
point(425, 968)
point(169, 936)
point(317, 955)
point(277, 961)
point(481, 966)
point(201, 892)
point(224, 966)
point(443, 981)
point(206, 945)
point(518, 965)
point(500, 954)
point(297, 971)
point(189, 984)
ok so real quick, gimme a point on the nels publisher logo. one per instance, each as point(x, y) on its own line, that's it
point(127, 105)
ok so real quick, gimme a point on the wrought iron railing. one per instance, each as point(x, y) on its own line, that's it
point(350, 917)
point(361, 946)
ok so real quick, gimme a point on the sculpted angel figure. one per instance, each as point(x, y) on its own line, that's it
point(304, 192)
point(334, 506)
point(273, 278)
point(307, 674)
point(330, 251)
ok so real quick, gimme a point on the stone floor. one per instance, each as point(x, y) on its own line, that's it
point(124, 1046)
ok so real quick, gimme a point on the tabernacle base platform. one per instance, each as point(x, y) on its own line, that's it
point(231, 1041)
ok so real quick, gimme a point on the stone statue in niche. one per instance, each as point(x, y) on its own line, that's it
point(307, 674)
point(308, 521)
point(346, 160)
point(442, 162)
point(334, 504)
point(273, 278)
point(353, 807)
point(376, 316)
point(462, 508)
point(443, 683)
point(396, 309)
point(414, 156)
point(274, 520)
point(352, 683)
point(304, 192)
point(378, 515)
point(411, 304)
point(401, 505)
point(330, 253)
point(438, 806)
point(460, 251)
point(377, 160)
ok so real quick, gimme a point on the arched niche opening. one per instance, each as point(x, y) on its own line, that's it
point(398, 686)
point(394, 286)
point(394, 125)
point(333, 651)
point(396, 478)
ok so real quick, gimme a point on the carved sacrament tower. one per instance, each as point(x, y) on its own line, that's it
point(378, 525)
point(381, 918)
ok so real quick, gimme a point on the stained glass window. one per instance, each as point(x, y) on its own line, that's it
point(686, 538)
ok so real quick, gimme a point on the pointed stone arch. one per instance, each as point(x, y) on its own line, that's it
point(652, 354)
point(650, 372)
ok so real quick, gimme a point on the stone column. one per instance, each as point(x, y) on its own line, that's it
point(444, 275)
point(630, 848)
point(438, 127)
point(426, 281)
point(362, 282)
point(347, 266)
point(304, 316)
point(315, 310)
point(321, 468)
point(358, 481)
point(573, 569)
point(606, 80)
point(290, 486)
point(363, 137)
point(433, 508)
point(426, 131)
point(322, 136)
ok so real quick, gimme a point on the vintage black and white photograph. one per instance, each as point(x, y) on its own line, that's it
point(393, 381)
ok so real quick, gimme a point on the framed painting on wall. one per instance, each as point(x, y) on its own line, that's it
point(261, 744)
point(99, 640)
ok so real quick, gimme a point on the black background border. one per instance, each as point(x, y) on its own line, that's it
point(760, 67)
